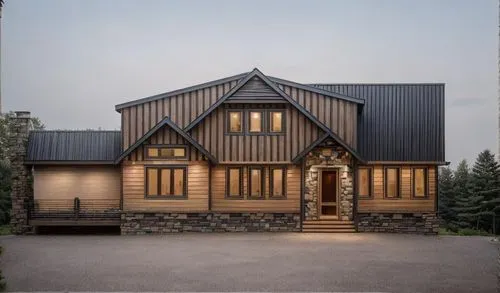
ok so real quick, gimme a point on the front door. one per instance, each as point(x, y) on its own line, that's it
point(329, 194)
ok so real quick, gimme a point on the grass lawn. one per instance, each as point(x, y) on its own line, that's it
point(5, 230)
point(464, 232)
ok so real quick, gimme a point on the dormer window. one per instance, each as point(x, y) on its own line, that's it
point(255, 122)
point(235, 119)
point(276, 121)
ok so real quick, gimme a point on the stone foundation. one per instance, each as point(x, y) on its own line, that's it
point(160, 223)
point(412, 223)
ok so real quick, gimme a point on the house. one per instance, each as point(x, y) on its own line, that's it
point(248, 152)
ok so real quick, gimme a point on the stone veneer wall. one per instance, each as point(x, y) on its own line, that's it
point(315, 162)
point(413, 223)
point(21, 191)
point(134, 223)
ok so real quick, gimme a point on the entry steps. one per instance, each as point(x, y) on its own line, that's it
point(328, 226)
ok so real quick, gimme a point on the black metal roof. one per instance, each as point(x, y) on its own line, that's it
point(399, 122)
point(89, 146)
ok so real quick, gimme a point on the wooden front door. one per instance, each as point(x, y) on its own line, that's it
point(328, 206)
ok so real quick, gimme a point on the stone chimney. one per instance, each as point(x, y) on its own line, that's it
point(21, 191)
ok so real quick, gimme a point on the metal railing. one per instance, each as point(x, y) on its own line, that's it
point(74, 208)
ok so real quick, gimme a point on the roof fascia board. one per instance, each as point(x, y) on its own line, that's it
point(178, 92)
point(304, 152)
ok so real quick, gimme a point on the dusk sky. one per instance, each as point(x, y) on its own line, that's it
point(71, 62)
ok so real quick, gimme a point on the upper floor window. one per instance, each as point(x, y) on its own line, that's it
point(276, 121)
point(166, 152)
point(255, 122)
point(235, 121)
point(165, 181)
point(420, 182)
point(364, 182)
point(392, 182)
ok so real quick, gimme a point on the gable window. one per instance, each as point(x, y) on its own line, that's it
point(235, 121)
point(166, 182)
point(234, 179)
point(277, 182)
point(420, 182)
point(364, 182)
point(153, 152)
point(392, 182)
point(255, 122)
point(276, 121)
point(255, 182)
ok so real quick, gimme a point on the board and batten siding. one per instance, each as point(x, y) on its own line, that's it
point(289, 205)
point(134, 185)
point(300, 132)
point(405, 203)
point(59, 185)
point(340, 116)
point(165, 136)
point(181, 109)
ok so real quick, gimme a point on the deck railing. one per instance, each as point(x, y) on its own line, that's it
point(74, 208)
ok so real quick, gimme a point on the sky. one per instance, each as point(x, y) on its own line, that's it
point(70, 62)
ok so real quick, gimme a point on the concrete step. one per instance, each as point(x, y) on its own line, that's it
point(311, 226)
point(328, 222)
point(329, 230)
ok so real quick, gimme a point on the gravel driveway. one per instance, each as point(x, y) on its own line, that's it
point(250, 262)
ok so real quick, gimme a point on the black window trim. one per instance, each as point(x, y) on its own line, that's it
point(283, 121)
point(262, 182)
point(426, 183)
point(159, 146)
point(228, 122)
point(245, 121)
point(271, 184)
point(370, 182)
point(227, 193)
point(262, 122)
point(398, 181)
point(159, 168)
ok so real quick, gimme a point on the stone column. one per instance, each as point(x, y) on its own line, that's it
point(21, 191)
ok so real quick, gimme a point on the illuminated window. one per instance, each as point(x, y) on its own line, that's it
point(234, 179)
point(255, 182)
point(255, 121)
point(276, 121)
point(420, 182)
point(364, 182)
point(153, 152)
point(277, 182)
point(392, 182)
point(165, 182)
point(235, 124)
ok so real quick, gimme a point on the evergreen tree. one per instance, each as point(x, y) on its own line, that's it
point(462, 191)
point(446, 199)
point(486, 189)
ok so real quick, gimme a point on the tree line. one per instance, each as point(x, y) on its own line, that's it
point(469, 198)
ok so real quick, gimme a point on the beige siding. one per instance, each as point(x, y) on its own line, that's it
point(290, 204)
point(197, 188)
point(54, 185)
point(404, 204)
point(300, 132)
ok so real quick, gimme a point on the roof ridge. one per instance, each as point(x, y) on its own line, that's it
point(377, 83)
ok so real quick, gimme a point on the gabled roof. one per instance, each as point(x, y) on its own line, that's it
point(75, 147)
point(166, 122)
point(258, 73)
point(179, 91)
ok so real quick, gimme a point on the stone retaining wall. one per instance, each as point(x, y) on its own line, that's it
point(133, 223)
point(412, 223)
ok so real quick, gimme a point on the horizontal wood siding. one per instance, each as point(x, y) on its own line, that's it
point(134, 188)
point(404, 204)
point(338, 115)
point(290, 204)
point(182, 109)
point(256, 89)
point(300, 132)
point(63, 183)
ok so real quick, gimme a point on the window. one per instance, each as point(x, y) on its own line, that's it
point(235, 124)
point(255, 122)
point(153, 152)
point(392, 182)
point(165, 182)
point(234, 180)
point(277, 182)
point(276, 121)
point(364, 182)
point(255, 182)
point(420, 182)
